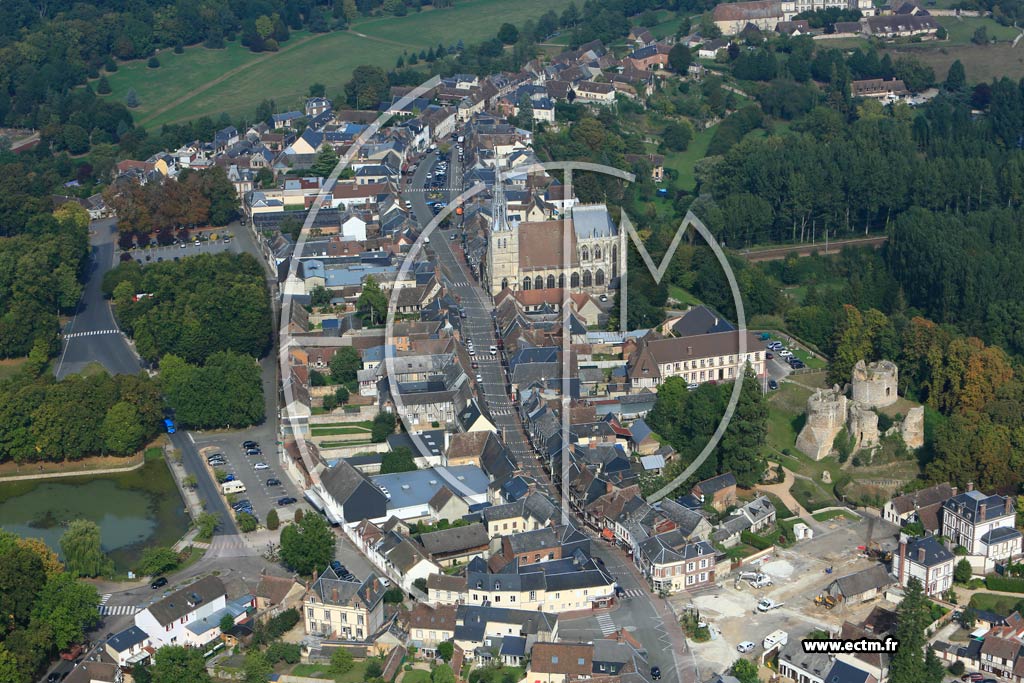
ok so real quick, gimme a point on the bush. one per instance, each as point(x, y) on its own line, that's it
point(1002, 583)
point(394, 595)
point(373, 668)
point(956, 668)
point(288, 652)
point(341, 661)
point(756, 541)
point(272, 520)
point(246, 522)
point(153, 63)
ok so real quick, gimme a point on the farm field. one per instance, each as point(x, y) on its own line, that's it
point(201, 82)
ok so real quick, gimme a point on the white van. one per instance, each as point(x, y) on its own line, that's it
point(230, 487)
point(774, 638)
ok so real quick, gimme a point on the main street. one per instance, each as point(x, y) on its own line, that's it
point(649, 618)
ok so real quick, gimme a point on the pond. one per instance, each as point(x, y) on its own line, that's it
point(134, 510)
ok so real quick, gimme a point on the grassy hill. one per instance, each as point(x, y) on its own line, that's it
point(202, 82)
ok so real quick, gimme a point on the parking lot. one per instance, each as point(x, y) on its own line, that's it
point(263, 497)
point(799, 575)
point(179, 251)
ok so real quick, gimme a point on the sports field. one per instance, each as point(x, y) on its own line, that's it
point(201, 82)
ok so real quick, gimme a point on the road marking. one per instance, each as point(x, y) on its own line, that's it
point(118, 610)
point(90, 333)
point(104, 598)
point(606, 624)
point(191, 438)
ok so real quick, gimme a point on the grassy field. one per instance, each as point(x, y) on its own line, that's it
point(684, 297)
point(334, 431)
point(961, 30)
point(981, 62)
point(201, 82)
point(811, 495)
point(786, 415)
point(684, 162)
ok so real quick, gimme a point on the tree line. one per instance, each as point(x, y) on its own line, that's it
point(687, 419)
point(194, 198)
point(193, 308)
point(45, 420)
point(45, 608)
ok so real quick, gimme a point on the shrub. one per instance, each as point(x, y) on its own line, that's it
point(282, 623)
point(341, 661)
point(752, 539)
point(394, 595)
point(246, 522)
point(373, 668)
point(956, 668)
point(289, 652)
point(272, 520)
point(153, 63)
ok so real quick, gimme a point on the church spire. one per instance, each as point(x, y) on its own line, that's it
point(500, 220)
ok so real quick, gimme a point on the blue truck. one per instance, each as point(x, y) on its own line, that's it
point(169, 424)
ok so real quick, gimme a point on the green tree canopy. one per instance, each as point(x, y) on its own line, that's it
point(80, 547)
point(176, 664)
point(307, 545)
point(69, 607)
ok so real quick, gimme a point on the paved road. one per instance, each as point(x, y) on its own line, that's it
point(779, 253)
point(92, 335)
point(652, 623)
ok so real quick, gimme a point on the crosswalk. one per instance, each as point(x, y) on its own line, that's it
point(89, 333)
point(115, 610)
point(606, 624)
point(634, 593)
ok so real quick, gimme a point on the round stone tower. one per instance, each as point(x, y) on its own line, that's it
point(874, 384)
point(826, 415)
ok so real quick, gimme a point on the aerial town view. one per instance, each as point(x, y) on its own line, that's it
point(511, 341)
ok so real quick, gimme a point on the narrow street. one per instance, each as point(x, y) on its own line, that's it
point(647, 617)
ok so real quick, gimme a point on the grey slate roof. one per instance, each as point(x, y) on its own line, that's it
point(976, 507)
point(184, 600)
point(126, 639)
point(876, 577)
point(934, 552)
point(455, 539)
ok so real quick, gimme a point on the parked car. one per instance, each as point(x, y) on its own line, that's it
point(273, 482)
point(786, 353)
point(745, 647)
point(338, 568)
point(692, 385)
point(159, 582)
point(774, 345)
point(250, 444)
point(769, 355)
point(214, 456)
point(261, 466)
point(230, 477)
point(287, 500)
point(217, 462)
point(56, 676)
point(656, 673)
point(773, 385)
point(245, 503)
point(253, 451)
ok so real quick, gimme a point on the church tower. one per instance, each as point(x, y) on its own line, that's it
point(502, 246)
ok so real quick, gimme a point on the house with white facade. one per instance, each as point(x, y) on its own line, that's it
point(166, 621)
point(926, 560)
point(984, 525)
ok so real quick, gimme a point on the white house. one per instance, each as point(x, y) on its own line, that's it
point(354, 228)
point(985, 525)
point(926, 560)
point(166, 621)
point(128, 647)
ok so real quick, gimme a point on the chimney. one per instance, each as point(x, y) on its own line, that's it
point(314, 576)
point(953, 489)
point(334, 595)
point(689, 350)
point(981, 511)
point(970, 486)
point(903, 554)
point(920, 555)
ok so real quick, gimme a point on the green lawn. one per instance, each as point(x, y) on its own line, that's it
point(356, 675)
point(416, 676)
point(181, 88)
point(682, 296)
point(810, 495)
point(786, 408)
point(962, 30)
point(684, 162)
point(1000, 604)
point(334, 431)
point(9, 367)
point(833, 514)
point(343, 444)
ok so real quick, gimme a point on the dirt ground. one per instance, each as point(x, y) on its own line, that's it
point(799, 575)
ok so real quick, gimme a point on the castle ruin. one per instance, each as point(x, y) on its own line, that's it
point(873, 385)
